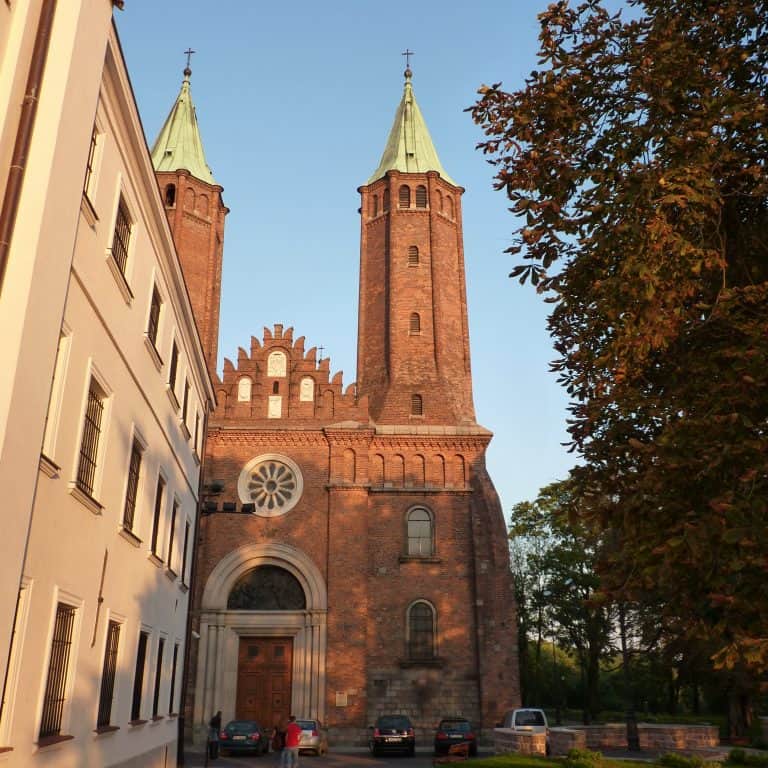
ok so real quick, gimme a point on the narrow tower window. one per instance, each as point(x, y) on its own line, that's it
point(375, 205)
point(386, 200)
point(275, 387)
point(421, 196)
point(170, 195)
point(417, 405)
point(404, 197)
point(415, 325)
point(413, 255)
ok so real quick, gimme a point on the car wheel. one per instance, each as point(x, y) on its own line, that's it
point(411, 751)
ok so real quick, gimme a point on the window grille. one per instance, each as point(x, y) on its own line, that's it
point(138, 678)
point(56, 684)
point(154, 316)
point(184, 555)
point(174, 367)
point(421, 631)
point(174, 664)
point(186, 403)
point(174, 511)
point(131, 492)
point(108, 675)
point(415, 323)
point(89, 445)
point(89, 165)
point(197, 432)
point(156, 516)
point(158, 677)
point(413, 255)
point(417, 405)
point(275, 387)
point(421, 196)
point(419, 532)
point(122, 235)
point(404, 197)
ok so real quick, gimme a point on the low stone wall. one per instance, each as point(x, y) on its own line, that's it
point(523, 742)
point(663, 738)
point(563, 740)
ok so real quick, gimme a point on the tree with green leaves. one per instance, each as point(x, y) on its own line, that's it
point(635, 157)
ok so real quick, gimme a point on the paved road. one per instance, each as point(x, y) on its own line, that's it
point(346, 759)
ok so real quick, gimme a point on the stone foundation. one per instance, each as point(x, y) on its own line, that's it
point(523, 742)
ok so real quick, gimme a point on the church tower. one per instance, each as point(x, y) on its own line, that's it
point(195, 211)
point(413, 339)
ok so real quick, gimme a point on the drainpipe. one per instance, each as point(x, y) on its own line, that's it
point(10, 209)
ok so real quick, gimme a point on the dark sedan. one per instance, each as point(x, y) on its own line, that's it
point(241, 736)
point(392, 733)
point(454, 730)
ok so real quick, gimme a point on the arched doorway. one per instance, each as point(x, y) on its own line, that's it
point(262, 637)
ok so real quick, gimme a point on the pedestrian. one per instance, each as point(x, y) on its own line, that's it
point(214, 726)
point(290, 757)
point(278, 736)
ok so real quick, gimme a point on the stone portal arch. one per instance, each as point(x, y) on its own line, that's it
point(222, 629)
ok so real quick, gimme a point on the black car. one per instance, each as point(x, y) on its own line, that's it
point(392, 733)
point(454, 730)
point(241, 736)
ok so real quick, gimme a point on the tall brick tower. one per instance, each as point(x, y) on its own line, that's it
point(195, 212)
point(413, 340)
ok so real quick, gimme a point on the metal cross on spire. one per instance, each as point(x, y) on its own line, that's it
point(407, 53)
point(189, 53)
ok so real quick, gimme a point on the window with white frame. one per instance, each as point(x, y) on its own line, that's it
point(56, 684)
point(89, 442)
point(108, 675)
point(420, 532)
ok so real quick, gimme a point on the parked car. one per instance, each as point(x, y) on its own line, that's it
point(526, 720)
point(454, 730)
point(313, 737)
point(392, 733)
point(241, 736)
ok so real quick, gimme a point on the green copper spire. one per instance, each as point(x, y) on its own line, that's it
point(409, 146)
point(179, 144)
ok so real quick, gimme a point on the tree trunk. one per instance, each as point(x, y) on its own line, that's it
point(633, 737)
point(740, 712)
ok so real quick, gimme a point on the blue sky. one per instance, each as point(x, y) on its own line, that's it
point(295, 102)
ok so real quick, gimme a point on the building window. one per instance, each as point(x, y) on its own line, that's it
point(174, 664)
point(413, 255)
point(90, 166)
point(158, 678)
point(420, 532)
point(57, 392)
point(184, 553)
point(56, 684)
point(385, 200)
point(275, 387)
point(185, 403)
point(375, 205)
point(421, 196)
point(159, 493)
point(404, 197)
point(414, 324)
point(170, 195)
point(154, 316)
point(138, 677)
point(108, 675)
point(173, 368)
point(132, 489)
point(421, 631)
point(122, 236)
point(89, 445)
point(197, 432)
point(172, 532)
point(417, 405)
point(449, 206)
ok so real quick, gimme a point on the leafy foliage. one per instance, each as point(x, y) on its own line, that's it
point(636, 159)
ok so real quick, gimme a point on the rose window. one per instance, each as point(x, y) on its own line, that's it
point(272, 483)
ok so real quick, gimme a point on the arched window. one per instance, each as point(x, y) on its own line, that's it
point(421, 631)
point(417, 405)
point(350, 462)
point(377, 470)
point(385, 200)
point(189, 199)
point(414, 325)
point(276, 364)
point(420, 532)
point(421, 196)
point(267, 588)
point(244, 390)
point(375, 205)
point(449, 206)
point(439, 201)
point(202, 205)
point(404, 197)
point(413, 255)
point(170, 195)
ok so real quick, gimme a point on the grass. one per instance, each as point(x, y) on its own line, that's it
point(514, 760)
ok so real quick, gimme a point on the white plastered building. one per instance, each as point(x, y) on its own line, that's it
point(104, 397)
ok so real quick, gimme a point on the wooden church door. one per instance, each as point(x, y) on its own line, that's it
point(264, 679)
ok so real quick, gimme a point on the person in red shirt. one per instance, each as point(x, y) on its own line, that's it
point(290, 756)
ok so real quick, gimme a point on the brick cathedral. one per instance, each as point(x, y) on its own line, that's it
point(352, 555)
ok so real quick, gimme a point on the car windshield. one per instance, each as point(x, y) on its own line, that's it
point(243, 726)
point(395, 721)
point(307, 725)
point(462, 726)
point(529, 717)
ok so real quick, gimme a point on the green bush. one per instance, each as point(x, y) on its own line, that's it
point(582, 758)
point(740, 757)
point(674, 760)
